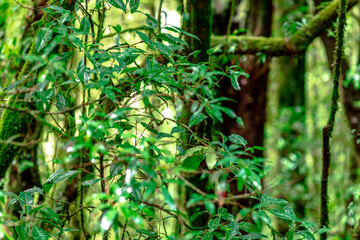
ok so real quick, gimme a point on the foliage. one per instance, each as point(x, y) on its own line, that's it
point(118, 111)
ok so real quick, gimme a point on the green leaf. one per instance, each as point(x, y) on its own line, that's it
point(265, 218)
point(178, 130)
point(162, 48)
point(109, 93)
point(267, 199)
point(85, 24)
point(210, 158)
point(213, 224)
point(286, 214)
point(240, 122)
point(234, 75)
point(171, 39)
point(146, 39)
point(22, 231)
point(193, 162)
point(179, 30)
point(118, 4)
point(61, 101)
point(253, 236)
point(60, 175)
point(290, 235)
point(169, 200)
point(91, 182)
point(34, 190)
point(209, 206)
point(249, 227)
point(50, 214)
point(163, 135)
point(117, 28)
point(47, 186)
point(134, 5)
point(237, 139)
point(151, 21)
point(10, 194)
point(323, 230)
point(39, 233)
point(83, 73)
point(26, 199)
point(43, 36)
point(146, 232)
point(35, 209)
point(307, 235)
point(196, 119)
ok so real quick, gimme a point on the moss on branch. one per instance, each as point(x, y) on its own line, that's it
point(293, 45)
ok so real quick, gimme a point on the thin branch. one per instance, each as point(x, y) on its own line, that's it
point(30, 8)
point(191, 185)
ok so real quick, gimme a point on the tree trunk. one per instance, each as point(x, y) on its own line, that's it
point(251, 100)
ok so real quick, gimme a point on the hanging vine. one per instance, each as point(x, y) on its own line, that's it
point(328, 129)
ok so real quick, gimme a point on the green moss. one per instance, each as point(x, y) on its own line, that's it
point(13, 123)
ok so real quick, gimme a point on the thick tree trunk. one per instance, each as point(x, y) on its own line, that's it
point(251, 99)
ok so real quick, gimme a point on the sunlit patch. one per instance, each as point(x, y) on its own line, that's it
point(105, 224)
point(70, 149)
point(122, 199)
point(257, 185)
point(128, 176)
point(129, 189)
point(93, 160)
point(49, 147)
point(137, 220)
point(168, 112)
point(101, 147)
point(118, 191)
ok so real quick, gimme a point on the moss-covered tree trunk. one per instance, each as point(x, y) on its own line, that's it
point(25, 173)
point(16, 127)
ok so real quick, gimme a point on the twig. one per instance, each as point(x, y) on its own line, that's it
point(191, 185)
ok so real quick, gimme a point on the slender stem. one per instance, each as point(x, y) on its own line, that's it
point(159, 15)
point(102, 172)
